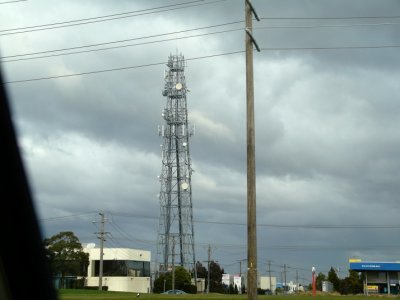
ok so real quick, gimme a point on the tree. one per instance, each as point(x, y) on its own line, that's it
point(201, 270)
point(182, 281)
point(162, 283)
point(216, 277)
point(182, 278)
point(231, 289)
point(352, 284)
point(320, 277)
point(334, 279)
point(65, 255)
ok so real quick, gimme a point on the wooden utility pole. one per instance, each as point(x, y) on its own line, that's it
point(284, 274)
point(269, 273)
point(102, 239)
point(208, 269)
point(251, 170)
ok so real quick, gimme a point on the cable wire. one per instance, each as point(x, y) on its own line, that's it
point(132, 14)
point(117, 69)
point(325, 26)
point(99, 17)
point(303, 226)
point(331, 18)
point(67, 217)
point(114, 47)
point(329, 48)
point(197, 58)
point(165, 40)
point(7, 2)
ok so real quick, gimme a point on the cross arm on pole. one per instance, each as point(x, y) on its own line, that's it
point(248, 28)
point(253, 10)
point(253, 40)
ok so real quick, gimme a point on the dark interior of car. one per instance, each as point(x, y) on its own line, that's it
point(24, 272)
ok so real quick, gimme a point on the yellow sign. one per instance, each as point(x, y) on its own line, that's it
point(373, 288)
point(354, 260)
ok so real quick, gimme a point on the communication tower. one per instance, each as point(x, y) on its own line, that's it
point(175, 241)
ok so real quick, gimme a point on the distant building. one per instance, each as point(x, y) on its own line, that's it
point(235, 280)
point(124, 269)
point(380, 277)
point(290, 287)
point(200, 284)
point(327, 287)
point(267, 283)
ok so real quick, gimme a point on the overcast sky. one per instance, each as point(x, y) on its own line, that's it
point(327, 107)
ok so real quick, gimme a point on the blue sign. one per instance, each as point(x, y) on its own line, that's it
point(375, 266)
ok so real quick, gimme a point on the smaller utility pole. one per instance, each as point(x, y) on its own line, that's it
point(101, 236)
point(284, 274)
point(269, 272)
point(297, 281)
point(240, 266)
point(208, 273)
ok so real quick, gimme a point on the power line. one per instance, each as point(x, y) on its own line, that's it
point(69, 216)
point(94, 18)
point(311, 247)
point(331, 18)
point(200, 28)
point(326, 26)
point(201, 57)
point(314, 226)
point(7, 2)
point(329, 48)
point(114, 47)
point(297, 247)
point(116, 69)
point(127, 236)
point(125, 40)
point(197, 58)
point(130, 15)
point(171, 39)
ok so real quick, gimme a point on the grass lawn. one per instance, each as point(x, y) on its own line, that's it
point(67, 294)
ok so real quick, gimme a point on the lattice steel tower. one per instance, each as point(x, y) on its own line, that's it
point(175, 241)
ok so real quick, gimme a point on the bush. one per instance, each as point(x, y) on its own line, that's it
point(190, 288)
point(103, 288)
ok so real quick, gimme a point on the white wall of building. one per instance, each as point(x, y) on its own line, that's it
point(123, 284)
point(264, 283)
point(118, 254)
point(293, 287)
point(327, 286)
point(119, 283)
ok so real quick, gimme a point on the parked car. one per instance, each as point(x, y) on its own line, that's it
point(268, 292)
point(174, 292)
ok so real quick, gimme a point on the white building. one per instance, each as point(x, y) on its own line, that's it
point(327, 286)
point(265, 283)
point(124, 269)
point(234, 280)
point(293, 287)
